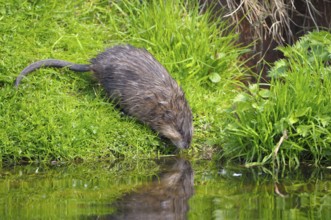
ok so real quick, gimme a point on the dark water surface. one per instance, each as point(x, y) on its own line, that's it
point(167, 188)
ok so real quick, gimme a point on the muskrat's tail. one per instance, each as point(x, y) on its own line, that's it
point(52, 63)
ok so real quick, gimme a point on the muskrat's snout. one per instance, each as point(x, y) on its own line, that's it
point(181, 144)
point(185, 141)
point(180, 133)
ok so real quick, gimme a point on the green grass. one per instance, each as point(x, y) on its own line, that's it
point(290, 123)
point(61, 115)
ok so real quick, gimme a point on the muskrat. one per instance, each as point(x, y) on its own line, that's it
point(141, 87)
point(166, 197)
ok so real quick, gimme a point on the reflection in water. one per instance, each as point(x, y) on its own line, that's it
point(257, 193)
point(164, 198)
point(96, 191)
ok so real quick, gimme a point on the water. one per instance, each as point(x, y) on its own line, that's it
point(168, 188)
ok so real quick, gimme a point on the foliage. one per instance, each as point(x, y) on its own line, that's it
point(291, 122)
point(60, 115)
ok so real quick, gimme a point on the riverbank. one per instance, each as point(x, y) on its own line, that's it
point(60, 115)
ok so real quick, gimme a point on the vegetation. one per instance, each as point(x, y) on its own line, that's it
point(289, 123)
point(61, 115)
point(271, 23)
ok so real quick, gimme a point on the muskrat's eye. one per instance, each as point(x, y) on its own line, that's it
point(169, 116)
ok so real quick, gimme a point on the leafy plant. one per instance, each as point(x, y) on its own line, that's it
point(291, 122)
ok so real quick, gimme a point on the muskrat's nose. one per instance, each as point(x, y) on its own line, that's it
point(182, 145)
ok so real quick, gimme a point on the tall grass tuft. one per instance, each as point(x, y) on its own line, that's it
point(290, 123)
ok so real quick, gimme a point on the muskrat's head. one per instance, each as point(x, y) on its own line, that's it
point(177, 124)
point(179, 135)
